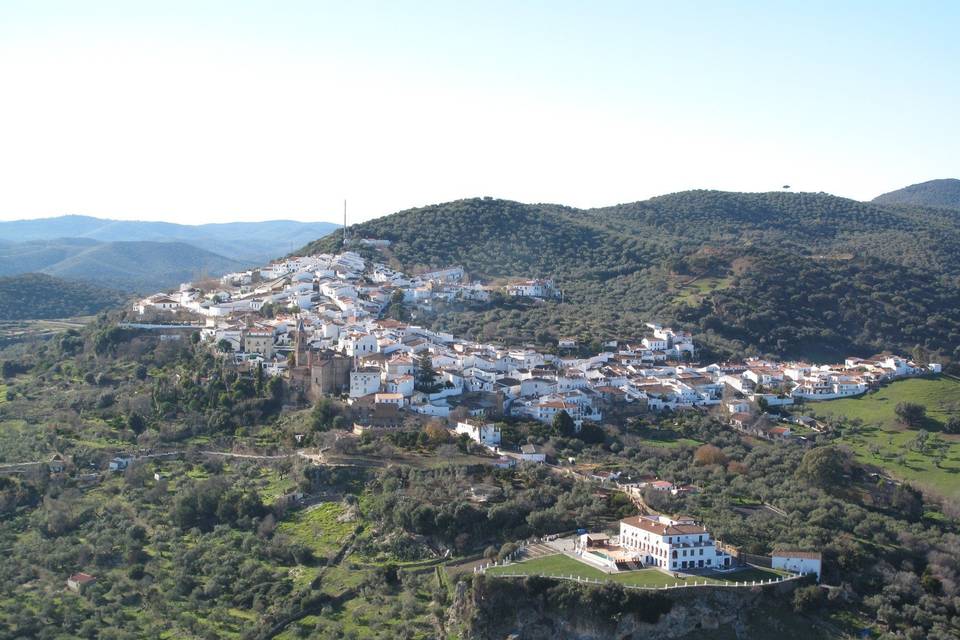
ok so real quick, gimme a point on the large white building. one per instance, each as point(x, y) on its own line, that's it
point(671, 544)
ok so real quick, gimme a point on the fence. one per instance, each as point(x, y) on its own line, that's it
point(679, 585)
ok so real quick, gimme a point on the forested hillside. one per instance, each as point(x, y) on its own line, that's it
point(34, 296)
point(778, 273)
point(933, 193)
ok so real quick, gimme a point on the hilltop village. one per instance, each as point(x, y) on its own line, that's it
point(341, 325)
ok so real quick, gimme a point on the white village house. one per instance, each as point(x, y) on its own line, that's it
point(485, 433)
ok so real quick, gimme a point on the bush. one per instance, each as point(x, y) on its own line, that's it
point(806, 599)
point(709, 454)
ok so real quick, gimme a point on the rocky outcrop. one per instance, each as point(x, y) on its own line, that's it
point(544, 609)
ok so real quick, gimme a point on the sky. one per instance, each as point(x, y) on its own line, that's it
point(210, 111)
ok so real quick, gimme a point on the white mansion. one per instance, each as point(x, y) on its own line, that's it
point(670, 544)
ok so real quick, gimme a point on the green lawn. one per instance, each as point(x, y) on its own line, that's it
point(883, 442)
point(561, 565)
point(318, 527)
point(941, 397)
point(674, 443)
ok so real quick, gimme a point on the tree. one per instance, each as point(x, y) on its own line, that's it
point(920, 441)
point(398, 310)
point(911, 414)
point(592, 433)
point(322, 415)
point(822, 467)
point(807, 598)
point(426, 381)
point(136, 423)
point(563, 424)
point(763, 404)
point(224, 346)
point(436, 433)
point(709, 454)
point(908, 502)
point(952, 425)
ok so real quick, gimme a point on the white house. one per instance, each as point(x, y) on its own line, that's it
point(364, 381)
point(485, 433)
point(358, 344)
point(389, 398)
point(158, 302)
point(402, 384)
point(798, 561)
point(671, 544)
point(531, 289)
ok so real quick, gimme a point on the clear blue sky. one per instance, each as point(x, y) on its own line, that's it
point(208, 111)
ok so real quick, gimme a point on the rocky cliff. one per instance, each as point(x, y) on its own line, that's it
point(546, 609)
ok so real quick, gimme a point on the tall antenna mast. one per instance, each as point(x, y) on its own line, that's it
point(344, 224)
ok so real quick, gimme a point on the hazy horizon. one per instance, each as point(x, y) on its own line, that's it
point(212, 112)
point(350, 221)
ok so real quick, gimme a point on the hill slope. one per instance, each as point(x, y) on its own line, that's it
point(39, 296)
point(134, 266)
point(245, 241)
point(933, 193)
point(780, 273)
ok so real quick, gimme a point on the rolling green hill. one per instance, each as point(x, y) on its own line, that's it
point(785, 273)
point(878, 438)
point(33, 296)
point(933, 193)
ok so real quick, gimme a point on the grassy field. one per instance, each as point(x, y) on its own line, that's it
point(561, 565)
point(881, 441)
point(318, 527)
point(941, 397)
point(693, 292)
point(272, 486)
point(673, 443)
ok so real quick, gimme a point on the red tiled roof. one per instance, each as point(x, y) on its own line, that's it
point(809, 555)
point(663, 529)
point(82, 578)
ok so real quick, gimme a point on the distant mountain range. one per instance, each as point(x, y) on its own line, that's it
point(130, 266)
point(144, 256)
point(933, 193)
point(243, 241)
